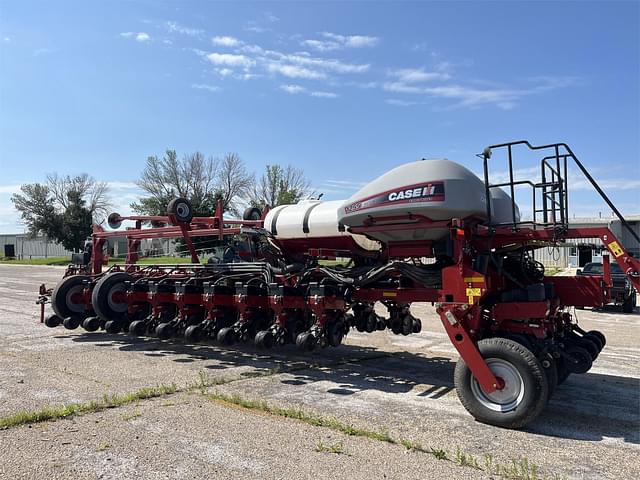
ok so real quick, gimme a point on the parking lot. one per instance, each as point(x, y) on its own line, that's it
point(380, 406)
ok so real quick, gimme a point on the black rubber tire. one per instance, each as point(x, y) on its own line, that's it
point(595, 339)
point(165, 331)
point(305, 341)
point(252, 213)
point(264, 339)
point(417, 325)
point(600, 335)
point(585, 343)
point(335, 333)
point(580, 361)
point(112, 326)
point(534, 384)
point(227, 336)
point(138, 328)
point(193, 333)
point(407, 325)
point(91, 324)
point(100, 296)
point(52, 321)
point(59, 301)
point(181, 208)
point(371, 323)
point(73, 322)
point(629, 304)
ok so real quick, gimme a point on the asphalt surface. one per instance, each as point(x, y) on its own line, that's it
point(379, 382)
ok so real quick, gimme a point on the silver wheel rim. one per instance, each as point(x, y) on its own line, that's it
point(74, 307)
point(119, 307)
point(510, 396)
point(182, 210)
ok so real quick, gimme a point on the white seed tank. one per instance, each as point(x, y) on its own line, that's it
point(312, 219)
point(435, 189)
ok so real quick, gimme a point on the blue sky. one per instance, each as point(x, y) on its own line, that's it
point(345, 91)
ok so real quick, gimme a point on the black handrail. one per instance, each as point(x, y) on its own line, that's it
point(561, 183)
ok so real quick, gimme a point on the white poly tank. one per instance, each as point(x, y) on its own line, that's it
point(311, 219)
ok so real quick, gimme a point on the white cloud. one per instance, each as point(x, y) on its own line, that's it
point(417, 75)
point(352, 41)
point(224, 72)
point(334, 41)
point(230, 60)
point(293, 89)
point(401, 103)
point(139, 36)
point(202, 86)
point(225, 41)
point(321, 45)
point(295, 71)
point(175, 27)
point(324, 94)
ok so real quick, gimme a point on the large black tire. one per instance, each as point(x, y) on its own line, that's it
point(181, 208)
point(526, 388)
point(102, 296)
point(252, 213)
point(62, 296)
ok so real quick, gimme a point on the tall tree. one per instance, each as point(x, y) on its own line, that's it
point(201, 180)
point(63, 208)
point(280, 185)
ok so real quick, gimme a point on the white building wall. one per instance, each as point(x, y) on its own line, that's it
point(38, 247)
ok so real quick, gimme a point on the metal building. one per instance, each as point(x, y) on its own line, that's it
point(576, 253)
point(21, 246)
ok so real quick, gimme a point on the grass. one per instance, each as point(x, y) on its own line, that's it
point(330, 448)
point(130, 416)
point(36, 261)
point(518, 469)
point(63, 411)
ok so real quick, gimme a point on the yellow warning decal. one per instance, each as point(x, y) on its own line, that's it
point(615, 249)
point(473, 279)
point(389, 294)
point(473, 292)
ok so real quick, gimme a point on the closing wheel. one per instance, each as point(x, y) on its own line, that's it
point(583, 342)
point(264, 339)
point(551, 372)
point(595, 339)
point(165, 331)
point(525, 390)
point(109, 296)
point(181, 209)
point(91, 324)
point(72, 322)
point(227, 336)
point(193, 333)
point(577, 360)
point(335, 333)
point(67, 298)
point(112, 326)
point(306, 341)
point(600, 335)
point(138, 328)
point(52, 321)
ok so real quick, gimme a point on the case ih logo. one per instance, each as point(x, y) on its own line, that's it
point(426, 192)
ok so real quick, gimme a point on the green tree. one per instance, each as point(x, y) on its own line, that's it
point(62, 209)
point(76, 222)
point(280, 185)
